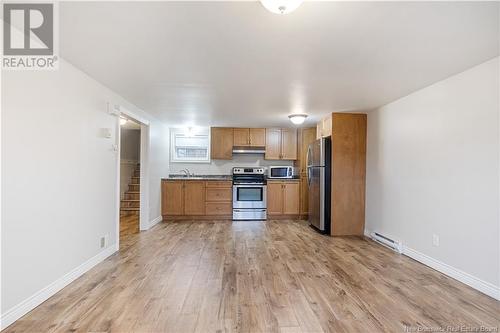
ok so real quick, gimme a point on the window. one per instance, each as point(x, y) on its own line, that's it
point(190, 146)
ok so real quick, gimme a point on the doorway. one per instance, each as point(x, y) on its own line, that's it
point(130, 177)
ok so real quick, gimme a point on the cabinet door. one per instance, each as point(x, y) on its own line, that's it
point(306, 136)
point(172, 198)
point(327, 126)
point(274, 198)
point(221, 143)
point(304, 195)
point(257, 137)
point(194, 198)
point(291, 196)
point(319, 130)
point(273, 144)
point(289, 144)
point(241, 137)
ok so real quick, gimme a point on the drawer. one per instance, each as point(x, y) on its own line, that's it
point(219, 184)
point(219, 194)
point(218, 208)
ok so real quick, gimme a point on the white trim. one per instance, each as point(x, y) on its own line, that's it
point(144, 173)
point(470, 280)
point(455, 273)
point(154, 222)
point(41, 296)
point(119, 110)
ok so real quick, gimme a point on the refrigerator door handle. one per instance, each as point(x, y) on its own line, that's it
point(309, 177)
point(309, 155)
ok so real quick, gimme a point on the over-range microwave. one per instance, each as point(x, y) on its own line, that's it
point(280, 172)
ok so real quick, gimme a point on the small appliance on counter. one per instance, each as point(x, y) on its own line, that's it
point(281, 172)
point(249, 193)
point(319, 183)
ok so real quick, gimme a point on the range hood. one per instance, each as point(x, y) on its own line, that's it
point(249, 150)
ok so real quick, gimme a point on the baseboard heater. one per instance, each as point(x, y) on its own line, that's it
point(390, 243)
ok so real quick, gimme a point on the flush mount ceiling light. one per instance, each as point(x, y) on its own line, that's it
point(298, 118)
point(123, 121)
point(281, 7)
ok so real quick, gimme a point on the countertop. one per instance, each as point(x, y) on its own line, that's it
point(199, 177)
point(218, 177)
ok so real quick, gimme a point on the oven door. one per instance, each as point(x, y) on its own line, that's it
point(249, 196)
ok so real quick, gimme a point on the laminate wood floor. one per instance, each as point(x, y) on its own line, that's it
point(129, 224)
point(275, 276)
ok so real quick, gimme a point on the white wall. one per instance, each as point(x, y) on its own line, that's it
point(158, 161)
point(433, 168)
point(223, 167)
point(58, 179)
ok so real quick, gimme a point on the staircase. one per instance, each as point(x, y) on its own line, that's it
point(130, 203)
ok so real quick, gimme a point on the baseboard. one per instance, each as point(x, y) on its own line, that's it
point(470, 280)
point(41, 296)
point(155, 221)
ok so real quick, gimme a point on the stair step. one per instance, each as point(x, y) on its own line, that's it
point(132, 192)
point(129, 208)
point(130, 200)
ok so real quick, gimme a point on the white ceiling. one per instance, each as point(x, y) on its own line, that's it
point(234, 63)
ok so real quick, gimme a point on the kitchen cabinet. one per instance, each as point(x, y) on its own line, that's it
point(241, 136)
point(257, 137)
point(305, 137)
point(221, 143)
point(249, 137)
point(283, 197)
point(274, 198)
point(348, 174)
point(324, 127)
point(281, 144)
point(196, 199)
point(172, 198)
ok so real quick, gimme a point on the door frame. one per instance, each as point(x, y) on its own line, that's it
point(119, 111)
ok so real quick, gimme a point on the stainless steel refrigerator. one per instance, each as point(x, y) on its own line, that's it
point(319, 182)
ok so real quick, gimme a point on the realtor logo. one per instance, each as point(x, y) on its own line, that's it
point(29, 36)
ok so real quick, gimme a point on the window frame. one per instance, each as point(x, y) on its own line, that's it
point(174, 132)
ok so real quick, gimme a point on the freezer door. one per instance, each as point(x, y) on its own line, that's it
point(316, 197)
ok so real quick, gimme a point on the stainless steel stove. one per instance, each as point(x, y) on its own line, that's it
point(249, 193)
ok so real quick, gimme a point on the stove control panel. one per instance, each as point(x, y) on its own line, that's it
point(248, 171)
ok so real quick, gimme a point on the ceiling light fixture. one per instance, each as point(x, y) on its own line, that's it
point(297, 118)
point(123, 121)
point(281, 7)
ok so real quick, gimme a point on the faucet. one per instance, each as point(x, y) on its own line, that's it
point(187, 173)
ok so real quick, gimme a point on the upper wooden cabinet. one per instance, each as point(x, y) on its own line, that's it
point(249, 137)
point(273, 144)
point(221, 143)
point(281, 144)
point(324, 127)
point(257, 137)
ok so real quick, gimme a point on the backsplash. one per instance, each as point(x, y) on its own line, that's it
point(223, 167)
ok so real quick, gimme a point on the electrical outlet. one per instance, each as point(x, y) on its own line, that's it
point(104, 241)
point(435, 240)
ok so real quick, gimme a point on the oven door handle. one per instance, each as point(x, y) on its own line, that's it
point(248, 185)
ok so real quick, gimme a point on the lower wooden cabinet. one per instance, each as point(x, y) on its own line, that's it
point(195, 199)
point(283, 197)
point(172, 197)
